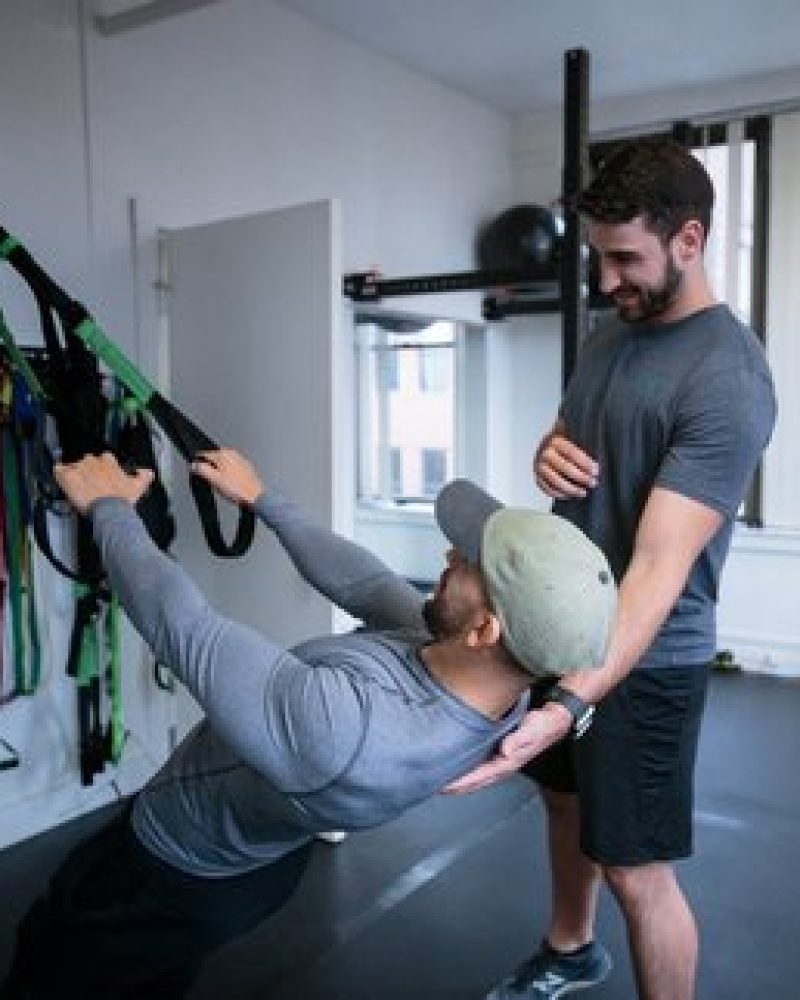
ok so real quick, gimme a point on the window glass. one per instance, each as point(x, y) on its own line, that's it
point(434, 470)
point(406, 408)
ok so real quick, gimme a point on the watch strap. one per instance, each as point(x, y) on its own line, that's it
point(580, 710)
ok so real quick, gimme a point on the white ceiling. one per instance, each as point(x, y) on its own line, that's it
point(509, 53)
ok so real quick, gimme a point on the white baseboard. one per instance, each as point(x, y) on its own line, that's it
point(776, 656)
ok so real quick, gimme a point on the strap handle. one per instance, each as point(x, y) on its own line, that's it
point(189, 440)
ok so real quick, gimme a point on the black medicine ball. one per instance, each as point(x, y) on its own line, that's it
point(521, 238)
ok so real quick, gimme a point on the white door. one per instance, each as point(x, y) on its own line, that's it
point(253, 312)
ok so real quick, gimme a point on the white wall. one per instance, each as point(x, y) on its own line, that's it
point(42, 163)
point(782, 483)
point(227, 110)
point(757, 609)
point(43, 180)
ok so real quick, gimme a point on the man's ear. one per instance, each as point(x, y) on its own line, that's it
point(485, 631)
point(690, 240)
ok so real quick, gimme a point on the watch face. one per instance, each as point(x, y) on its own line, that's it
point(582, 722)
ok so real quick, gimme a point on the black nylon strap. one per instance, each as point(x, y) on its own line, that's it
point(190, 441)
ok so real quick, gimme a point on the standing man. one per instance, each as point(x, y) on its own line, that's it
point(662, 425)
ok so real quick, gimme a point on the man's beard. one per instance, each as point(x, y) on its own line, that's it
point(443, 622)
point(650, 303)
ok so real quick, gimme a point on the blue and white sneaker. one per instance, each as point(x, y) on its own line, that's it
point(550, 974)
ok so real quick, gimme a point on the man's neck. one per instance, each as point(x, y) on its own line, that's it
point(488, 680)
point(696, 296)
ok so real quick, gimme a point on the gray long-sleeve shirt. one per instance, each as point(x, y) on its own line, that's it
point(341, 732)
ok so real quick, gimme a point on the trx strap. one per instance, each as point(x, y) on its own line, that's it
point(73, 394)
point(83, 664)
point(74, 397)
point(16, 538)
point(5, 418)
point(115, 737)
point(186, 436)
point(124, 431)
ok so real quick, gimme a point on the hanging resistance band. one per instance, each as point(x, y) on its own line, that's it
point(187, 438)
point(71, 390)
point(18, 576)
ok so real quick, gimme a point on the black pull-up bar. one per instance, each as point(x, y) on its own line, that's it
point(557, 285)
point(574, 261)
point(368, 286)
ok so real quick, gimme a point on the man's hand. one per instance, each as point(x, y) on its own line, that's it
point(561, 468)
point(95, 476)
point(230, 474)
point(537, 731)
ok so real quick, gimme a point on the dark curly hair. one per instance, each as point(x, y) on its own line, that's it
point(655, 178)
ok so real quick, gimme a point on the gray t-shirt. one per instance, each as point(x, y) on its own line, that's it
point(340, 732)
point(688, 406)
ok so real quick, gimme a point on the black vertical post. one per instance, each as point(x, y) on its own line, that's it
point(575, 171)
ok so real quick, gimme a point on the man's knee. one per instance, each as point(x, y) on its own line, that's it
point(638, 885)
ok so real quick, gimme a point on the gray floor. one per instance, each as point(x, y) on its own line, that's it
point(441, 903)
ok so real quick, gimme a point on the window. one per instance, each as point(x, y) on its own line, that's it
point(405, 370)
point(435, 369)
point(736, 156)
point(389, 371)
point(396, 471)
point(434, 470)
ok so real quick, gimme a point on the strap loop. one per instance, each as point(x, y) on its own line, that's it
point(8, 244)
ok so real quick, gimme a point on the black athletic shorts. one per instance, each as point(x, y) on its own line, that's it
point(634, 768)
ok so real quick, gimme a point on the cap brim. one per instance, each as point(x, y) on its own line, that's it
point(461, 510)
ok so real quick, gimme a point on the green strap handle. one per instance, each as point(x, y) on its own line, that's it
point(117, 728)
point(14, 555)
point(89, 657)
point(32, 622)
point(20, 592)
point(130, 376)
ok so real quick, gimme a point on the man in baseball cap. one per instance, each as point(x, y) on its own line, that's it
point(551, 588)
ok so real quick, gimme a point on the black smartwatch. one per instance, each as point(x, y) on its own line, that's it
point(580, 710)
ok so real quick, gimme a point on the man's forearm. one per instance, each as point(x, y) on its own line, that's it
point(647, 593)
point(158, 596)
point(672, 533)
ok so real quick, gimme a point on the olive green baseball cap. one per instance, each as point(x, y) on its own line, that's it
point(550, 586)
